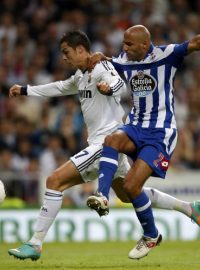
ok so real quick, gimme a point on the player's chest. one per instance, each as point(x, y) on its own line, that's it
point(142, 82)
point(86, 87)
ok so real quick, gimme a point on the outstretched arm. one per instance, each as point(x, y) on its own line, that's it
point(194, 44)
point(59, 88)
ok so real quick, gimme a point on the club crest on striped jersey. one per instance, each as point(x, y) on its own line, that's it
point(142, 84)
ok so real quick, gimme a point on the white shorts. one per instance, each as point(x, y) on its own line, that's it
point(87, 163)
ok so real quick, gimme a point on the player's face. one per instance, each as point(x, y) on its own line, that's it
point(133, 47)
point(70, 55)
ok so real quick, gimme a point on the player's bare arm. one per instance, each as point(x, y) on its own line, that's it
point(194, 44)
point(15, 90)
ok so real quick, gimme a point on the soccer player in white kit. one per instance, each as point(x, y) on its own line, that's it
point(99, 92)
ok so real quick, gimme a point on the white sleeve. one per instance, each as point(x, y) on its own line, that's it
point(107, 73)
point(59, 88)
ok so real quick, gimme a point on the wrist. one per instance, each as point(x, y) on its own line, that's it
point(109, 93)
point(23, 90)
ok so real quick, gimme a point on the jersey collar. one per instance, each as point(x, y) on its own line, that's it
point(150, 50)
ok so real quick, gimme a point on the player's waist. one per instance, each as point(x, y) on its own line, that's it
point(146, 123)
point(97, 136)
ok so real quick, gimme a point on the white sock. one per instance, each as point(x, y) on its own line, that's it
point(48, 211)
point(164, 201)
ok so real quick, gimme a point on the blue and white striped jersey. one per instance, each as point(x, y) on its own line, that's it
point(151, 82)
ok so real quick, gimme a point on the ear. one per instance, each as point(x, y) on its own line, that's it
point(145, 44)
point(80, 49)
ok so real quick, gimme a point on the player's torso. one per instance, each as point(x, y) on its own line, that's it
point(151, 84)
point(97, 108)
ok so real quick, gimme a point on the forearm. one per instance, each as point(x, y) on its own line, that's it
point(194, 44)
point(118, 87)
point(58, 88)
point(46, 90)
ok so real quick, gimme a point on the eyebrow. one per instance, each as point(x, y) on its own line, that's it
point(64, 50)
point(128, 43)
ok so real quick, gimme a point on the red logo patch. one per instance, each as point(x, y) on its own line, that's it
point(161, 162)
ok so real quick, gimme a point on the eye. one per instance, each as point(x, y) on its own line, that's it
point(128, 43)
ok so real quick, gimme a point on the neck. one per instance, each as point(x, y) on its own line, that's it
point(83, 65)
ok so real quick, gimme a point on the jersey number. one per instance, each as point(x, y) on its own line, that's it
point(84, 153)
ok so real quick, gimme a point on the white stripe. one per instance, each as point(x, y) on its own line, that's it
point(161, 92)
point(173, 122)
point(168, 134)
point(110, 160)
point(137, 110)
point(149, 106)
point(126, 75)
point(140, 209)
point(136, 102)
point(173, 145)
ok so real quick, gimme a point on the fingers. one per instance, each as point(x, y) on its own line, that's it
point(15, 90)
point(104, 88)
point(94, 59)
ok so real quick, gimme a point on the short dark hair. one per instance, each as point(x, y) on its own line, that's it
point(75, 38)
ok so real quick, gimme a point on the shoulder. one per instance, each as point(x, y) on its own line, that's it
point(172, 48)
point(120, 59)
point(164, 49)
point(103, 66)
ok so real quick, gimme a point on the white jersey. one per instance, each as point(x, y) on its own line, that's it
point(102, 114)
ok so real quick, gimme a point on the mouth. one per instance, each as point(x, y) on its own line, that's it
point(128, 56)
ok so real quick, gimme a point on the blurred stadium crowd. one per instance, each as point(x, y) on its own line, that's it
point(37, 135)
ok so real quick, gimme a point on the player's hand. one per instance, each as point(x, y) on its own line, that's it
point(94, 59)
point(104, 88)
point(15, 90)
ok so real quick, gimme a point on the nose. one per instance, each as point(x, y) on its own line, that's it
point(125, 48)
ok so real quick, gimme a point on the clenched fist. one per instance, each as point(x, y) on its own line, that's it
point(15, 90)
point(104, 88)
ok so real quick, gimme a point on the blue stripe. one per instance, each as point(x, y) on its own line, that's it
point(171, 140)
point(169, 115)
point(50, 194)
point(172, 59)
point(118, 67)
point(142, 104)
point(89, 161)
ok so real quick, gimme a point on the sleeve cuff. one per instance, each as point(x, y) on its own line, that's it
point(110, 93)
point(24, 90)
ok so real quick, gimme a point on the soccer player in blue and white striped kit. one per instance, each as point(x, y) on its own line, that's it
point(149, 136)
